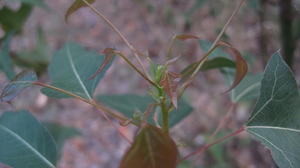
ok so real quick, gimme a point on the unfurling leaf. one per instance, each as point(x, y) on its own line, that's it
point(241, 65)
point(186, 37)
point(170, 82)
point(77, 4)
point(152, 148)
point(275, 120)
point(18, 84)
point(109, 55)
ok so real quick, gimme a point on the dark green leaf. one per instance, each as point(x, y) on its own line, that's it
point(37, 58)
point(70, 69)
point(11, 20)
point(151, 148)
point(275, 120)
point(5, 60)
point(129, 104)
point(217, 62)
point(24, 142)
point(17, 85)
point(61, 134)
point(77, 4)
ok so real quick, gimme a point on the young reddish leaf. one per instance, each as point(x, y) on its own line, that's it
point(170, 82)
point(241, 65)
point(75, 6)
point(186, 37)
point(152, 148)
point(109, 55)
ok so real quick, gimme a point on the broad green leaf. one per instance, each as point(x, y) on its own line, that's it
point(61, 134)
point(24, 142)
point(275, 120)
point(70, 70)
point(129, 105)
point(37, 58)
point(151, 148)
point(40, 3)
point(17, 85)
point(6, 64)
point(77, 4)
point(11, 20)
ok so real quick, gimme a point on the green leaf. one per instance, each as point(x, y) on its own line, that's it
point(217, 62)
point(151, 148)
point(70, 69)
point(24, 142)
point(247, 90)
point(37, 58)
point(77, 4)
point(17, 85)
point(61, 134)
point(11, 20)
point(6, 64)
point(275, 120)
point(129, 104)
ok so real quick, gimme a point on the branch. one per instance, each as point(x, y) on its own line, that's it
point(205, 147)
point(134, 50)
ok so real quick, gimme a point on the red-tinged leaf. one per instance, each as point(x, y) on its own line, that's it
point(241, 65)
point(109, 55)
point(77, 4)
point(170, 82)
point(152, 148)
point(186, 37)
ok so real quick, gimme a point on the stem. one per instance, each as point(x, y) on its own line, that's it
point(91, 102)
point(136, 69)
point(134, 50)
point(224, 119)
point(165, 116)
point(205, 147)
point(171, 45)
point(215, 43)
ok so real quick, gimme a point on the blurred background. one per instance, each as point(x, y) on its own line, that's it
point(261, 28)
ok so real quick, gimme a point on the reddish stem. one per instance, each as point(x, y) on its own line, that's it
point(205, 147)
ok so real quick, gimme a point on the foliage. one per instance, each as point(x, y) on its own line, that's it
point(275, 118)
point(75, 72)
point(25, 142)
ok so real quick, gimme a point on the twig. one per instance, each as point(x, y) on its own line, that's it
point(223, 121)
point(91, 102)
point(134, 50)
point(116, 127)
point(214, 45)
point(205, 147)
